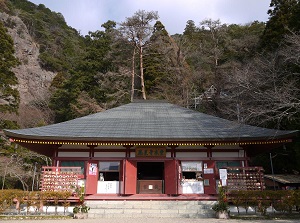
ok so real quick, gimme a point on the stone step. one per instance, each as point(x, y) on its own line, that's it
point(137, 209)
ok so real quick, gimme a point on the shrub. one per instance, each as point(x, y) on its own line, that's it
point(32, 198)
point(222, 203)
point(282, 200)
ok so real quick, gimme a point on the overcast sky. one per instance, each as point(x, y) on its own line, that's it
point(89, 15)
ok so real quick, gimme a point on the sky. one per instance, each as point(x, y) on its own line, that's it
point(89, 15)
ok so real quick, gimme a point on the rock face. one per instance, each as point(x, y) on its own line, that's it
point(34, 82)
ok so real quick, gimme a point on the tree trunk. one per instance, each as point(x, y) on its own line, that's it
point(5, 173)
point(132, 76)
point(3, 179)
point(142, 74)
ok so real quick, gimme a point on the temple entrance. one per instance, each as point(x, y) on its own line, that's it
point(150, 177)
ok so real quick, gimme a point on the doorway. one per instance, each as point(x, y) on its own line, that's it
point(150, 170)
point(150, 177)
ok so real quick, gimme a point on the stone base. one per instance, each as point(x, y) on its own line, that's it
point(80, 215)
point(222, 215)
point(154, 208)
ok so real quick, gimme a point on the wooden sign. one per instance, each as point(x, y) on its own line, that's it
point(59, 178)
point(150, 152)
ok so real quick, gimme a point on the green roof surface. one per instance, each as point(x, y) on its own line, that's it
point(150, 121)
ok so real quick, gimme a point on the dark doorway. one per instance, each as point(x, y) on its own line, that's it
point(150, 170)
point(150, 177)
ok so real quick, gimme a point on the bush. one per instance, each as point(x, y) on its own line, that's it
point(282, 200)
point(34, 198)
point(222, 203)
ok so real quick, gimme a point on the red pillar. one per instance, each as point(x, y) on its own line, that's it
point(209, 174)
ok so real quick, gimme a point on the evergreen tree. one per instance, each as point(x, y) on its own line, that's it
point(156, 59)
point(9, 95)
point(190, 28)
point(83, 91)
point(284, 19)
point(167, 75)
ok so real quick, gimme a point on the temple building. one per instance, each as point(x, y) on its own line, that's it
point(152, 148)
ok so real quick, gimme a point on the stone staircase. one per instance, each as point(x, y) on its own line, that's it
point(158, 209)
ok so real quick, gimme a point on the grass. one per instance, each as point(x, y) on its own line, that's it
point(34, 217)
point(273, 216)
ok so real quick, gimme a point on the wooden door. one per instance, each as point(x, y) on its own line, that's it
point(173, 177)
point(92, 174)
point(129, 177)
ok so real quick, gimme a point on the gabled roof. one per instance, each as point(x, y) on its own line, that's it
point(150, 121)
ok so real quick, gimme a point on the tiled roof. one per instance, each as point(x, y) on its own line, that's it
point(285, 179)
point(149, 120)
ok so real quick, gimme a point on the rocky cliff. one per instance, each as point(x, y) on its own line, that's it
point(34, 82)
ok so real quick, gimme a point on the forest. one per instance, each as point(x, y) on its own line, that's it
point(248, 73)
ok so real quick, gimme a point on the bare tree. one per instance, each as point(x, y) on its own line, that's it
point(4, 167)
point(291, 49)
point(138, 29)
point(211, 49)
point(266, 89)
point(13, 169)
point(32, 114)
point(16, 168)
point(216, 31)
